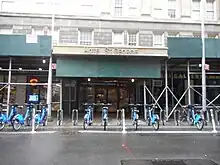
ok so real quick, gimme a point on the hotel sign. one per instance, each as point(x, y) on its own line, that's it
point(100, 50)
point(111, 51)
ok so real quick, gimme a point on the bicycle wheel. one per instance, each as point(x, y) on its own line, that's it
point(136, 124)
point(156, 125)
point(105, 124)
point(85, 124)
point(16, 125)
point(200, 124)
point(2, 125)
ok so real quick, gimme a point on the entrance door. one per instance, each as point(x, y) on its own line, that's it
point(69, 96)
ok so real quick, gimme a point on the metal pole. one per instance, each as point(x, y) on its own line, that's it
point(61, 95)
point(203, 55)
point(166, 84)
point(172, 87)
point(49, 85)
point(188, 80)
point(145, 101)
point(49, 88)
point(9, 85)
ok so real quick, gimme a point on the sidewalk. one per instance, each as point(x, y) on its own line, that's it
point(113, 125)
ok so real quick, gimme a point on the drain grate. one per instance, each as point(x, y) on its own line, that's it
point(169, 162)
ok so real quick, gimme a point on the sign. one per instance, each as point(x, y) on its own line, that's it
point(33, 81)
point(54, 66)
point(111, 51)
point(31, 39)
point(77, 50)
point(206, 66)
point(33, 98)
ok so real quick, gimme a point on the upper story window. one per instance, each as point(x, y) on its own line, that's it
point(85, 37)
point(118, 38)
point(158, 39)
point(210, 14)
point(132, 39)
point(172, 8)
point(196, 9)
point(158, 8)
point(118, 11)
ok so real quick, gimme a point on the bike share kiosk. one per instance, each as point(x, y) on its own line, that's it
point(41, 115)
point(135, 114)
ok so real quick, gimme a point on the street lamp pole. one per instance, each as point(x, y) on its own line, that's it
point(203, 55)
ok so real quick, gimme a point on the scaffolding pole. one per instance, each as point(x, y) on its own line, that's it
point(145, 100)
point(166, 85)
point(49, 84)
point(188, 80)
point(203, 55)
point(9, 85)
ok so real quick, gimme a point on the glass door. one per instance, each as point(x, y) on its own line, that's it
point(113, 98)
point(100, 96)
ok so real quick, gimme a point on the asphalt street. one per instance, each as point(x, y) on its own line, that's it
point(67, 147)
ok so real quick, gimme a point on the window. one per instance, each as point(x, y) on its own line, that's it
point(118, 38)
point(85, 37)
point(118, 7)
point(173, 34)
point(210, 10)
point(197, 35)
point(132, 39)
point(212, 35)
point(158, 8)
point(196, 9)
point(158, 40)
point(172, 8)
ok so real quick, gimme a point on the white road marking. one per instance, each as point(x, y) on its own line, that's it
point(29, 133)
point(148, 132)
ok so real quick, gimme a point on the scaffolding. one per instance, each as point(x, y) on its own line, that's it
point(49, 84)
point(188, 91)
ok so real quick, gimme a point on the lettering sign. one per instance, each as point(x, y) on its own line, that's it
point(111, 51)
point(192, 76)
point(118, 51)
point(91, 51)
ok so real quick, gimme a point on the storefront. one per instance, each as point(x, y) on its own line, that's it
point(109, 75)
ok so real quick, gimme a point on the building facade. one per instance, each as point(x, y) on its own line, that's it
point(100, 46)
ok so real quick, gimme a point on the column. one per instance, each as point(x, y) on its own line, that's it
point(9, 85)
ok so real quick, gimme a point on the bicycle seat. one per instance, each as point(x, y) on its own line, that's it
point(15, 104)
point(20, 106)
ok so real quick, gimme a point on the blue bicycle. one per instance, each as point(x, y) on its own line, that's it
point(135, 114)
point(196, 117)
point(88, 117)
point(41, 117)
point(153, 119)
point(19, 120)
point(105, 114)
point(4, 119)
